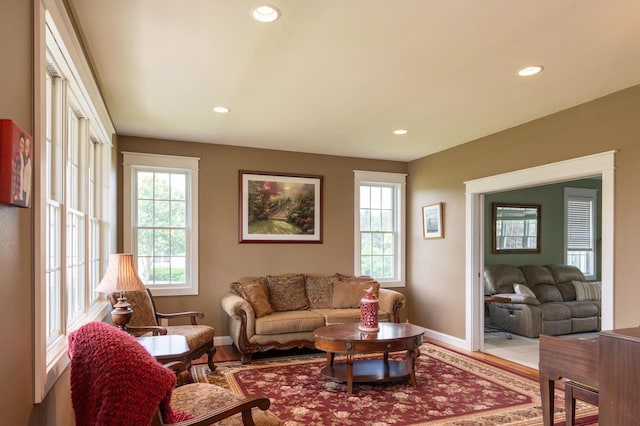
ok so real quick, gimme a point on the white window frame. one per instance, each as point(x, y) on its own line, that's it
point(57, 53)
point(398, 181)
point(582, 194)
point(133, 161)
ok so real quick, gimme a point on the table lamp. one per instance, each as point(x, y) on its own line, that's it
point(121, 276)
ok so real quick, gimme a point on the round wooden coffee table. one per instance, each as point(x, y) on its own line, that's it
point(348, 340)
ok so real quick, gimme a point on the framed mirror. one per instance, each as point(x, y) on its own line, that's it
point(516, 228)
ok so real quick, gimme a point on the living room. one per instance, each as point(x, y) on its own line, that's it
point(602, 121)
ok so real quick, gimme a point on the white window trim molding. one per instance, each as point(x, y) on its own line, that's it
point(364, 176)
point(46, 373)
point(602, 164)
point(164, 162)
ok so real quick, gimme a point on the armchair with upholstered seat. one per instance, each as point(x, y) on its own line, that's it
point(116, 382)
point(146, 319)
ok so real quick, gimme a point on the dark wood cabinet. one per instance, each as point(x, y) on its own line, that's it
point(619, 377)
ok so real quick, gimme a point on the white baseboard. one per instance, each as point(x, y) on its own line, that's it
point(445, 338)
point(222, 341)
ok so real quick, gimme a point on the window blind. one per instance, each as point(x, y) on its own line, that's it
point(579, 224)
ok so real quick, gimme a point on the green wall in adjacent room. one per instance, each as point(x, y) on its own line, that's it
point(551, 200)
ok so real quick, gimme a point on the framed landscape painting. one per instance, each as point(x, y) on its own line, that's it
point(279, 208)
point(432, 222)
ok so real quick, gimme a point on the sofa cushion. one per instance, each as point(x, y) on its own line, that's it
point(547, 293)
point(347, 294)
point(555, 312)
point(256, 294)
point(339, 316)
point(536, 275)
point(286, 292)
point(500, 278)
point(289, 322)
point(588, 291)
point(583, 309)
point(563, 275)
point(319, 289)
point(343, 277)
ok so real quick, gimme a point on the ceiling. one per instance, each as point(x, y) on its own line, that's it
point(338, 76)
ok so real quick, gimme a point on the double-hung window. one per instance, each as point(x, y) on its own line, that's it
point(580, 229)
point(71, 220)
point(380, 226)
point(161, 220)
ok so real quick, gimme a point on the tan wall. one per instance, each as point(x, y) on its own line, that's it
point(437, 267)
point(16, 243)
point(224, 260)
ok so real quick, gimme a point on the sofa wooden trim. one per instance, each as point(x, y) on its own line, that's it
point(247, 349)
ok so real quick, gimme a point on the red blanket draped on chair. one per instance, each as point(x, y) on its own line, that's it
point(114, 380)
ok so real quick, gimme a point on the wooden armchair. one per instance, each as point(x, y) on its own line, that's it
point(210, 404)
point(116, 382)
point(146, 319)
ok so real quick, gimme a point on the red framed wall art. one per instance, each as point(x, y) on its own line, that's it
point(16, 165)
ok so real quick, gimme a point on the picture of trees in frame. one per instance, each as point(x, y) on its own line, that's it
point(280, 207)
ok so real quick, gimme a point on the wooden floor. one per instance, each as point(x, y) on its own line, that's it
point(230, 353)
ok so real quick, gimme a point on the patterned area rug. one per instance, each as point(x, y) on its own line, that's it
point(453, 389)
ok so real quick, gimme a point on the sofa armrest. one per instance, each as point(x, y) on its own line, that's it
point(519, 298)
point(242, 318)
point(232, 303)
point(391, 301)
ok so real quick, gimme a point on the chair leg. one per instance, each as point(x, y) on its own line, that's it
point(569, 404)
point(210, 353)
point(573, 391)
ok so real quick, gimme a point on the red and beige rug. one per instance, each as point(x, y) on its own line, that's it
point(453, 389)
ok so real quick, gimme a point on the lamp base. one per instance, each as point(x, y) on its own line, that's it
point(121, 313)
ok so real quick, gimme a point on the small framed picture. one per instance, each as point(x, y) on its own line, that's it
point(432, 221)
point(16, 165)
point(280, 208)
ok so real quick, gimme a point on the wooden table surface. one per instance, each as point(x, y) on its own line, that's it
point(347, 339)
point(166, 348)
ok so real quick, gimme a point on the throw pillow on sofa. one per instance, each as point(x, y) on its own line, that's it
point(286, 292)
point(319, 289)
point(256, 295)
point(236, 287)
point(588, 290)
point(347, 294)
point(524, 290)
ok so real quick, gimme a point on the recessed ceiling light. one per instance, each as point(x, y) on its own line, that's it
point(221, 109)
point(532, 70)
point(400, 132)
point(265, 13)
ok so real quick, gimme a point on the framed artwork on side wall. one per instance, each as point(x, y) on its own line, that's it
point(432, 221)
point(279, 208)
point(16, 164)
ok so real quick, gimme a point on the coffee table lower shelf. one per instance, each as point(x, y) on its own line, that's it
point(367, 370)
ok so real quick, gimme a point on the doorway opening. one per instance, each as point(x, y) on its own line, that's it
point(601, 165)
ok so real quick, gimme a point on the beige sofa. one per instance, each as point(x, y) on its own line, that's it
point(282, 311)
point(560, 301)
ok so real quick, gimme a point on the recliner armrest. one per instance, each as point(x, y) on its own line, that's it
point(519, 298)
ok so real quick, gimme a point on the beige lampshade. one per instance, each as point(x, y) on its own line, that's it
point(121, 275)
